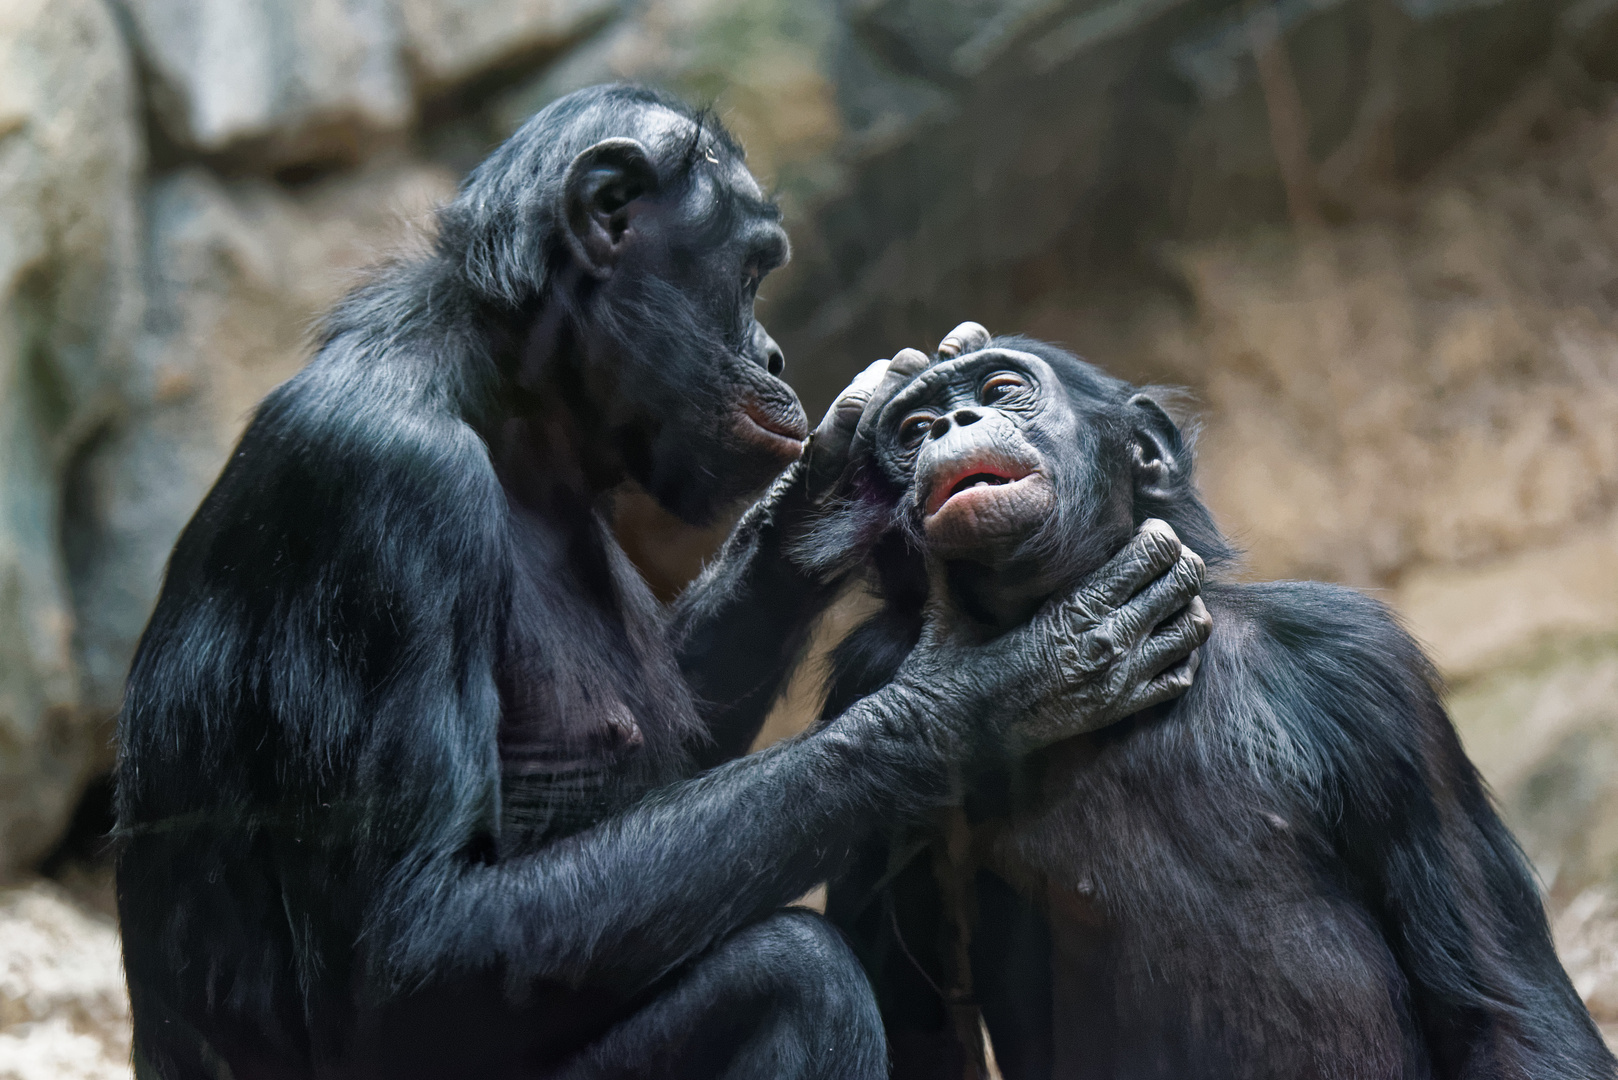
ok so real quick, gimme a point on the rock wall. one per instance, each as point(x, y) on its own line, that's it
point(70, 167)
point(1377, 240)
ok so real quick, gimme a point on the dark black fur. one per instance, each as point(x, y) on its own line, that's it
point(409, 782)
point(1293, 871)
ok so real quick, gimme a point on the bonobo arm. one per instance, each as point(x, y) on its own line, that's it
point(1457, 901)
point(748, 836)
point(741, 626)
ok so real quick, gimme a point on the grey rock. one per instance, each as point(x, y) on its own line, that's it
point(279, 82)
point(69, 159)
point(297, 78)
point(455, 40)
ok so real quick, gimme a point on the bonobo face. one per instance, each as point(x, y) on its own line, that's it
point(1022, 469)
point(677, 236)
point(981, 444)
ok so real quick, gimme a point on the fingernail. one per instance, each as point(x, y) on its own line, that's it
point(908, 361)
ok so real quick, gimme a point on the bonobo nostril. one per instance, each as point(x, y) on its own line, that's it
point(964, 417)
point(940, 427)
point(766, 352)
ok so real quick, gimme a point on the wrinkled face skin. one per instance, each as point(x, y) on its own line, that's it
point(1001, 466)
point(690, 379)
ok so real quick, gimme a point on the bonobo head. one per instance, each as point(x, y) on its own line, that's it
point(1020, 469)
point(626, 234)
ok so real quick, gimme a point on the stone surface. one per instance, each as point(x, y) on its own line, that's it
point(296, 79)
point(69, 295)
point(1478, 617)
point(451, 41)
point(766, 66)
point(1544, 732)
point(64, 1014)
point(238, 275)
point(1587, 938)
point(1439, 390)
point(290, 82)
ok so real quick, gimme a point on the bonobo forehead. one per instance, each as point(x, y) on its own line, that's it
point(675, 140)
point(723, 190)
point(947, 382)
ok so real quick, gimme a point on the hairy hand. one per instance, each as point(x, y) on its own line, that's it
point(834, 443)
point(1124, 641)
point(847, 425)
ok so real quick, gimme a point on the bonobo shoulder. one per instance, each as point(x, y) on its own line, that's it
point(1318, 623)
point(347, 464)
point(1332, 665)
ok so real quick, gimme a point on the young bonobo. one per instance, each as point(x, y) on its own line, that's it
point(1292, 871)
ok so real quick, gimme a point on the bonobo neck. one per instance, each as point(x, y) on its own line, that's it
point(998, 597)
point(550, 441)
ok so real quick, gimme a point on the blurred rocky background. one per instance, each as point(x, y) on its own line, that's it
point(1376, 241)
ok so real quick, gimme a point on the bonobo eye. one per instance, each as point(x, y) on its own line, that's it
point(914, 428)
point(1001, 385)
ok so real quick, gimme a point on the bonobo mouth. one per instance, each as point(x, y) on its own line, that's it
point(777, 427)
point(983, 496)
point(970, 477)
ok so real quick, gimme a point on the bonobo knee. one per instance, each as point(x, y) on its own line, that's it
point(824, 1008)
point(797, 955)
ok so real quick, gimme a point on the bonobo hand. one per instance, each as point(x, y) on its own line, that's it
point(832, 443)
point(847, 424)
point(1125, 640)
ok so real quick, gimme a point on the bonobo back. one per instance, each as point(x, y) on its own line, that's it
point(1291, 871)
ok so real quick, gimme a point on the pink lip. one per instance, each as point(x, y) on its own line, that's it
point(794, 428)
point(942, 489)
point(781, 437)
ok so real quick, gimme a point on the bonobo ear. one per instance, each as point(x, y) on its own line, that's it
point(1158, 451)
point(596, 193)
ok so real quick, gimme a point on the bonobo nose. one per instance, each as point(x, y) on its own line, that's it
point(767, 352)
point(958, 418)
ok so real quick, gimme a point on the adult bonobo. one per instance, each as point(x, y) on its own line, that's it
point(1291, 871)
point(410, 761)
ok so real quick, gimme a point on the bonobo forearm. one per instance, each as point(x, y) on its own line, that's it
point(623, 903)
point(740, 627)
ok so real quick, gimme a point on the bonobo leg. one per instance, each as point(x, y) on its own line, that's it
point(783, 998)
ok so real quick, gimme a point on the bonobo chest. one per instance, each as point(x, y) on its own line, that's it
point(593, 709)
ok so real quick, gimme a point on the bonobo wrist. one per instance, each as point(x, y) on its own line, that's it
point(909, 730)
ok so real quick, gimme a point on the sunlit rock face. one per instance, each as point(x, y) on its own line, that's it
point(64, 1014)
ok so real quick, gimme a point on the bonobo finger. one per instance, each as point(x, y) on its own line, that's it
point(827, 453)
point(845, 411)
point(968, 337)
point(1168, 594)
point(1153, 549)
point(908, 363)
point(1164, 687)
point(1174, 640)
point(905, 365)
